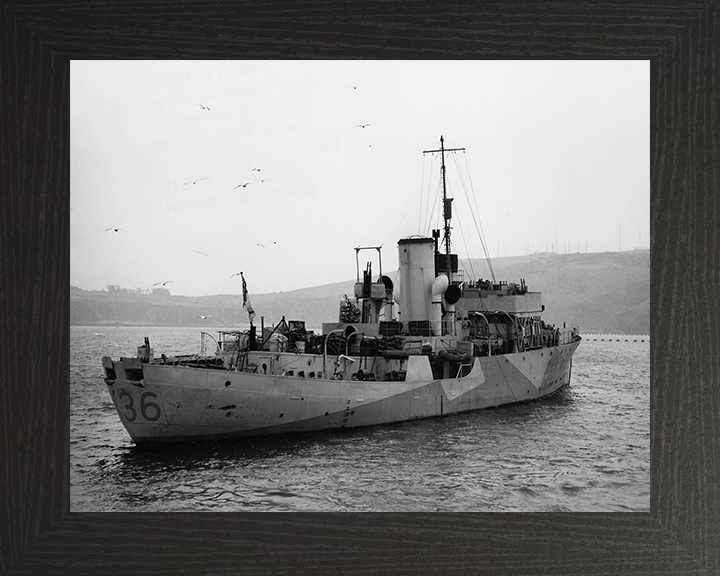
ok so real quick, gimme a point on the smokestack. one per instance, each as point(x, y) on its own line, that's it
point(417, 273)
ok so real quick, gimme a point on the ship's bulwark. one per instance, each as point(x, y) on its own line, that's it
point(175, 403)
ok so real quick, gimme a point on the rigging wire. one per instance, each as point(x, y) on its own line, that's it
point(467, 251)
point(433, 215)
point(424, 201)
point(464, 187)
point(461, 262)
point(428, 213)
point(476, 220)
point(411, 195)
point(422, 188)
point(473, 207)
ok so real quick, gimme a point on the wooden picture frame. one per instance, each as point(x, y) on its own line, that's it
point(39, 535)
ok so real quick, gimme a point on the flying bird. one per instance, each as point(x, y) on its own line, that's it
point(195, 181)
point(163, 283)
point(261, 245)
point(204, 107)
point(353, 87)
point(362, 125)
point(198, 251)
point(255, 170)
point(243, 185)
point(114, 229)
point(204, 317)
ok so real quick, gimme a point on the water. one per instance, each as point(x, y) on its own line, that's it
point(586, 449)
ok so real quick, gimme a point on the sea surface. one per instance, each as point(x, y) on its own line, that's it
point(585, 449)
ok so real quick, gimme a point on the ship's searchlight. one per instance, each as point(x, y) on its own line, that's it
point(452, 294)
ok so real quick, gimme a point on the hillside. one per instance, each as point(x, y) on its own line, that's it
point(600, 292)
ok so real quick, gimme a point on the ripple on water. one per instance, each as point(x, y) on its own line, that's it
point(584, 449)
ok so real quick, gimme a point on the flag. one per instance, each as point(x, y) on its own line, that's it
point(246, 299)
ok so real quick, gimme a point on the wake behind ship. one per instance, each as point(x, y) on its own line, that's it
point(434, 344)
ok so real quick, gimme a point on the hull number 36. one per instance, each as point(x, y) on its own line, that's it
point(146, 408)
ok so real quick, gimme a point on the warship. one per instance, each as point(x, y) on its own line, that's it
point(428, 344)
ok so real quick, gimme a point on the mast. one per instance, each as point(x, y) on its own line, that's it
point(447, 212)
point(447, 202)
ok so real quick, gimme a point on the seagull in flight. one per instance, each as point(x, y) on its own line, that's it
point(204, 317)
point(204, 107)
point(362, 125)
point(114, 229)
point(255, 170)
point(261, 245)
point(198, 251)
point(243, 185)
point(353, 87)
point(195, 181)
point(163, 283)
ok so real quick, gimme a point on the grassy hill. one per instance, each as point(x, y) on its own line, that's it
point(600, 292)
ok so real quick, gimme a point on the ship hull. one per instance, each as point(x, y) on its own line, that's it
point(172, 403)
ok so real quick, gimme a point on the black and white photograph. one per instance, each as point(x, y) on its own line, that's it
point(360, 286)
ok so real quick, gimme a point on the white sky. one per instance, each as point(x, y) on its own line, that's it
point(551, 148)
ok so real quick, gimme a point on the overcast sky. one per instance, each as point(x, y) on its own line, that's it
point(160, 149)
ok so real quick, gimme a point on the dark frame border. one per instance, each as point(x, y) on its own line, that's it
point(37, 533)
